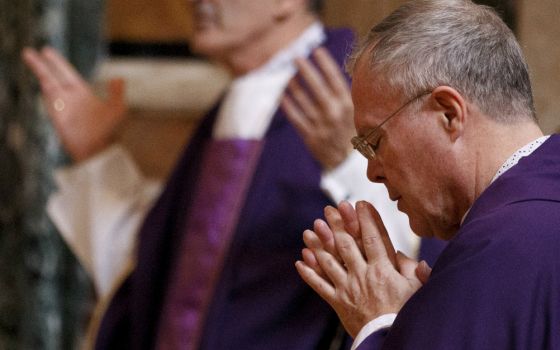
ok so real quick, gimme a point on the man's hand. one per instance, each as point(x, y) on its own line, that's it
point(322, 114)
point(360, 286)
point(85, 123)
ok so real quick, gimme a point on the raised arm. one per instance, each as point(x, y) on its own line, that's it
point(99, 203)
point(85, 123)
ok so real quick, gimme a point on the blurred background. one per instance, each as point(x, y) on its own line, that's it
point(45, 296)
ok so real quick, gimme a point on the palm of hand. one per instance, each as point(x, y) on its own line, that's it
point(85, 123)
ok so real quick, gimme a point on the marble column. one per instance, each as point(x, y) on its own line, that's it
point(45, 296)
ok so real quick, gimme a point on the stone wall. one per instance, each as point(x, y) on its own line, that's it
point(539, 33)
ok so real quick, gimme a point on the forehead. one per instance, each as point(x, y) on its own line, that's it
point(370, 103)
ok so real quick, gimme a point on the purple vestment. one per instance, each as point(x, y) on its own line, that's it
point(497, 284)
point(226, 172)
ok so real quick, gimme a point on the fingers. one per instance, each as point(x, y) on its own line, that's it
point(345, 244)
point(331, 71)
point(423, 271)
point(331, 267)
point(406, 266)
point(350, 218)
point(311, 261)
point(375, 239)
point(325, 83)
point(323, 240)
point(64, 71)
point(311, 240)
point(47, 79)
point(334, 219)
point(54, 72)
point(325, 234)
point(296, 116)
point(316, 282)
point(314, 80)
point(304, 102)
point(325, 80)
point(320, 108)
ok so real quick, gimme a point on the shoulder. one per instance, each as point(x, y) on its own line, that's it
point(503, 250)
point(498, 270)
point(518, 229)
point(340, 43)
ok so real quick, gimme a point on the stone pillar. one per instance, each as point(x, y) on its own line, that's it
point(45, 296)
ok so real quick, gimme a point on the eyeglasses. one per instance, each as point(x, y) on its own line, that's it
point(364, 146)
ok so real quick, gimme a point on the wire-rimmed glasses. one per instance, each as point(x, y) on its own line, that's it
point(362, 143)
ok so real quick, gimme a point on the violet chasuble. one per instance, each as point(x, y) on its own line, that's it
point(227, 169)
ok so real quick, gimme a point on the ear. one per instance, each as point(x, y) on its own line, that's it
point(286, 8)
point(454, 110)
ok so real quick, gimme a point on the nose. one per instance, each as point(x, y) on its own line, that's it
point(375, 171)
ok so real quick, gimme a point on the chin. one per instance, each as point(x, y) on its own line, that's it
point(202, 47)
point(206, 42)
point(421, 227)
point(422, 232)
point(425, 230)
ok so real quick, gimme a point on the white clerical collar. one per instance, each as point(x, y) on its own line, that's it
point(520, 153)
point(514, 159)
point(252, 99)
point(311, 38)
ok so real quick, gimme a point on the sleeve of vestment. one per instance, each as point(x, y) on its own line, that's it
point(98, 208)
point(371, 336)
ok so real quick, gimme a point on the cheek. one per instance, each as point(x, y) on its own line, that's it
point(207, 42)
point(238, 18)
point(217, 39)
point(409, 170)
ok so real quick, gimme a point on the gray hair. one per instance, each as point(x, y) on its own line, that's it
point(428, 43)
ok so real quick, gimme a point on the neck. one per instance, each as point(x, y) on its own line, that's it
point(496, 146)
point(260, 50)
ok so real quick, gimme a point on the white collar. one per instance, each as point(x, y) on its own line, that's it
point(520, 153)
point(252, 99)
point(311, 38)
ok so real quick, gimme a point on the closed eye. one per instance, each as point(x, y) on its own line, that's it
point(374, 144)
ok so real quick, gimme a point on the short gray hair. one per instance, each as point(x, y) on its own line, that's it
point(428, 43)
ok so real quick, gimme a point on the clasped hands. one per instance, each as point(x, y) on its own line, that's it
point(350, 262)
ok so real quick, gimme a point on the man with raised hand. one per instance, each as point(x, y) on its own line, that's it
point(444, 113)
